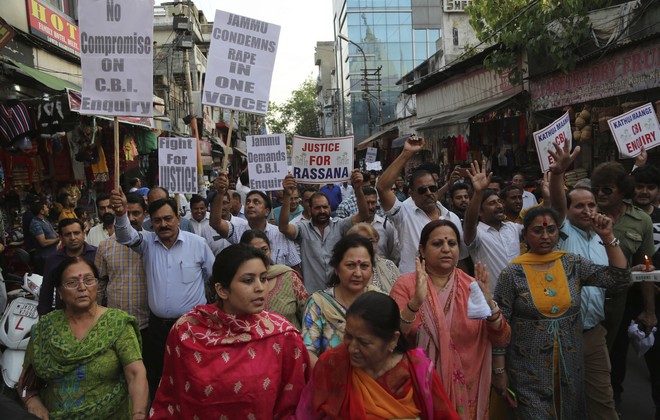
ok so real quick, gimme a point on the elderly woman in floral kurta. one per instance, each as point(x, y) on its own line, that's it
point(539, 293)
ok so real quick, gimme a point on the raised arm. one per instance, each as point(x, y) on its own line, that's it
point(602, 225)
point(480, 180)
point(289, 184)
point(563, 158)
point(386, 196)
point(363, 210)
point(124, 232)
point(216, 221)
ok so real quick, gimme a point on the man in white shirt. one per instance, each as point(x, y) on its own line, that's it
point(198, 216)
point(216, 242)
point(410, 217)
point(489, 239)
point(106, 228)
point(388, 242)
point(529, 200)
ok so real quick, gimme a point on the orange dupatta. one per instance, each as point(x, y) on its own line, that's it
point(377, 402)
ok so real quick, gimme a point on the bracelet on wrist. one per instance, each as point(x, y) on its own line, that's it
point(496, 309)
point(411, 309)
point(407, 321)
point(498, 370)
point(499, 315)
point(615, 242)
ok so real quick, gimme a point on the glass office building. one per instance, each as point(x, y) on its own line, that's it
point(392, 47)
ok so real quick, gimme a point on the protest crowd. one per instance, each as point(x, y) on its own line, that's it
point(400, 294)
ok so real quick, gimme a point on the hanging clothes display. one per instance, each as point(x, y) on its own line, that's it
point(16, 124)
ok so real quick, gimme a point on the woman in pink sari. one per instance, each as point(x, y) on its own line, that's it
point(434, 315)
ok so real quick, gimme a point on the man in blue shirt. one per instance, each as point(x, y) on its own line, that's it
point(333, 193)
point(577, 208)
point(177, 265)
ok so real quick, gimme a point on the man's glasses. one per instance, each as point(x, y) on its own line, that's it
point(423, 190)
point(89, 281)
point(604, 190)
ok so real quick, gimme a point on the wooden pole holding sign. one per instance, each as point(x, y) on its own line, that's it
point(225, 159)
point(116, 162)
point(200, 168)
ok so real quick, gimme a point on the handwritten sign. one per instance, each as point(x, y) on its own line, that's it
point(177, 164)
point(240, 63)
point(558, 132)
point(635, 129)
point(371, 155)
point(116, 38)
point(322, 161)
point(267, 161)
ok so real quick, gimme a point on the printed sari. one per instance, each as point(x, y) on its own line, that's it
point(459, 347)
point(84, 379)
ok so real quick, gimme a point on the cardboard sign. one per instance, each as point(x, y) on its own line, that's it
point(374, 166)
point(116, 56)
point(372, 153)
point(177, 164)
point(558, 132)
point(240, 63)
point(322, 161)
point(267, 161)
point(634, 129)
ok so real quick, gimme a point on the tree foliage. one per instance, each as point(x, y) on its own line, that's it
point(298, 114)
point(545, 28)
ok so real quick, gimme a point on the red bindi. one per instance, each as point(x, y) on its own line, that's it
point(545, 221)
point(359, 262)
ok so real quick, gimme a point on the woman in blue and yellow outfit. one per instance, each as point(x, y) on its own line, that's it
point(539, 293)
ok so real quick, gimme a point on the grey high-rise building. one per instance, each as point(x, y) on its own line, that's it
point(378, 42)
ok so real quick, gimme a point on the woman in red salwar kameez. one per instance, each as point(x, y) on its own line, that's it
point(232, 359)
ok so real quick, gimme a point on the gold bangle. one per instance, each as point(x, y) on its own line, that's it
point(407, 321)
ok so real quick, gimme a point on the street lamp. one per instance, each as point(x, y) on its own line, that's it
point(366, 95)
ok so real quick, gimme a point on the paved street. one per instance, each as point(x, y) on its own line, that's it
point(637, 403)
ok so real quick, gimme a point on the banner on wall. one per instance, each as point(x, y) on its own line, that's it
point(322, 161)
point(558, 132)
point(635, 129)
point(116, 46)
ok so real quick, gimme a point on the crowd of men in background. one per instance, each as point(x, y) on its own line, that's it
point(133, 251)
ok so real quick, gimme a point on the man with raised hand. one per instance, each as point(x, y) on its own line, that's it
point(177, 265)
point(257, 209)
point(319, 235)
point(577, 210)
point(410, 217)
point(489, 239)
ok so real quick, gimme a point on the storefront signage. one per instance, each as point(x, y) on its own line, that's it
point(322, 161)
point(240, 63)
point(635, 129)
point(559, 132)
point(266, 156)
point(627, 71)
point(6, 33)
point(177, 164)
point(478, 86)
point(117, 57)
point(450, 6)
point(53, 26)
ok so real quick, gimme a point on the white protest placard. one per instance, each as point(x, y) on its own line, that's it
point(322, 161)
point(558, 132)
point(177, 164)
point(116, 56)
point(267, 163)
point(240, 63)
point(374, 166)
point(370, 157)
point(634, 129)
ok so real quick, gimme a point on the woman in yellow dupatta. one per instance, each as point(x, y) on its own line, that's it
point(539, 293)
point(433, 303)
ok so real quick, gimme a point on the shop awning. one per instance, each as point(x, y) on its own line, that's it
point(462, 115)
point(367, 142)
point(48, 80)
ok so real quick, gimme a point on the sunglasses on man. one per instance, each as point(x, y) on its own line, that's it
point(423, 190)
point(604, 190)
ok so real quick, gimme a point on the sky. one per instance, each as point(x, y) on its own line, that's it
point(303, 23)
